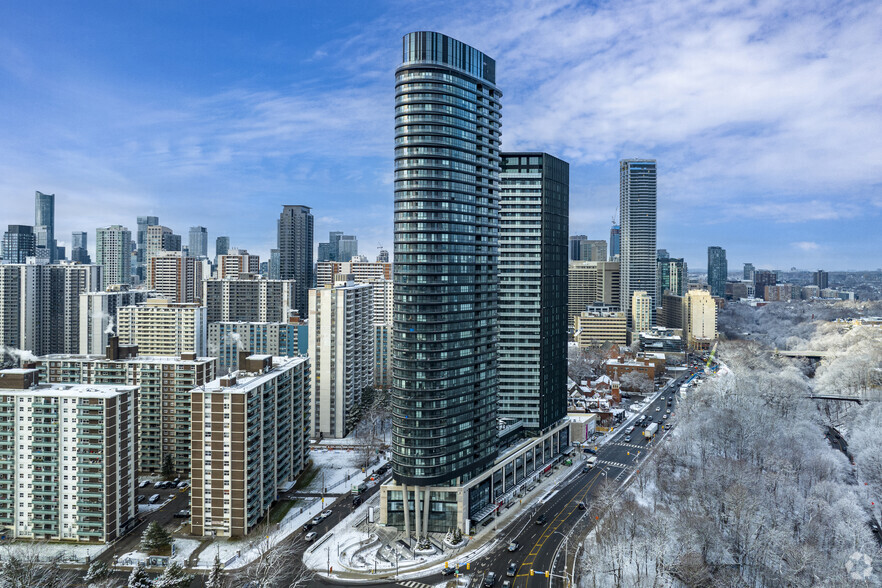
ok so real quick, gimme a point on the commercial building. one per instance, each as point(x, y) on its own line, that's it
point(227, 339)
point(700, 319)
point(250, 435)
point(70, 475)
point(662, 340)
point(79, 251)
point(717, 270)
point(39, 305)
point(637, 203)
point(596, 328)
point(98, 312)
point(739, 290)
point(19, 243)
point(198, 242)
point(671, 315)
point(575, 247)
point(533, 222)
point(295, 239)
point(221, 246)
point(160, 327)
point(590, 283)
point(641, 311)
point(673, 275)
point(249, 298)
point(113, 252)
point(593, 250)
point(164, 398)
point(44, 224)
point(341, 349)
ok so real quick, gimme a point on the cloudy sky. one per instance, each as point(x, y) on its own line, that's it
point(765, 116)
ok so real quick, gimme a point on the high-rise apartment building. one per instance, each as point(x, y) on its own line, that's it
point(534, 218)
point(361, 271)
point(44, 223)
point(39, 305)
point(673, 275)
point(273, 269)
point(175, 276)
point(763, 278)
point(113, 246)
point(98, 315)
point(341, 349)
point(821, 279)
point(198, 242)
point(615, 242)
point(383, 256)
point(295, 238)
point(19, 243)
point(250, 299)
point(221, 246)
point(592, 282)
point(140, 268)
point(700, 319)
point(593, 250)
point(383, 332)
point(235, 262)
point(160, 327)
point(70, 474)
point(641, 312)
point(575, 247)
point(749, 271)
point(717, 271)
point(249, 437)
point(163, 400)
point(637, 203)
point(227, 339)
point(79, 249)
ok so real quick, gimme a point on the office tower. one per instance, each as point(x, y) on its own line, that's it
point(296, 227)
point(700, 319)
point(112, 253)
point(671, 315)
point(140, 268)
point(98, 315)
point(228, 338)
point(615, 242)
point(235, 262)
point(738, 290)
point(592, 250)
point(39, 305)
point(79, 239)
point(44, 223)
point(60, 253)
point(198, 242)
point(590, 283)
point(221, 246)
point(249, 299)
point(749, 271)
point(641, 311)
point(175, 276)
point(341, 349)
point(673, 275)
point(19, 243)
point(533, 222)
point(761, 279)
point(79, 251)
point(637, 202)
point(249, 437)
point(361, 271)
point(148, 326)
point(324, 252)
point(575, 247)
point(339, 247)
point(599, 326)
point(433, 340)
point(347, 248)
point(821, 279)
point(91, 428)
point(717, 271)
point(273, 268)
point(163, 399)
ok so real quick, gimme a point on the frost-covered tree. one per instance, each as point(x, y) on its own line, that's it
point(215, 578)
point(636, 382)
point(139, 578)
point(98, 575)
point(173, 577)
point(155, 537)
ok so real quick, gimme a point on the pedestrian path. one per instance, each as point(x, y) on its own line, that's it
point(631, 445)
point(412, 584)
point(614, 464)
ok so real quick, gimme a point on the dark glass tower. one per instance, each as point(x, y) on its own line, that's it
point(296, 236)
point(717, 270)
point(447, 139)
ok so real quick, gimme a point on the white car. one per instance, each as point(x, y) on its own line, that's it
point(311, 536)
point(657, 408)
point(326, 514)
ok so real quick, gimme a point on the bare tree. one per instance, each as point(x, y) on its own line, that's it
point(23, 567)
point(278, 563)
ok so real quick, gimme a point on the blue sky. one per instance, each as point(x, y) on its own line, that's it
point(765, 117)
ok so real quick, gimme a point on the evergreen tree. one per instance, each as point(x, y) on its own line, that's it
point(98, 572)
point(168, 467)
point(215, 577)
point(139, 578)
point(155, 537)
point(173, 577)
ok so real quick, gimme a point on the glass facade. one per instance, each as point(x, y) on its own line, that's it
point(637, 202)
point(447, 137)
point(717, 271)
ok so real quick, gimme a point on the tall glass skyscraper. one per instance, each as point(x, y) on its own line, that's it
point(717, 271)
point(198, 242)
point(447, 138)
point(44, 222)
point(295, 239)
point(637, 203)
point(615, 242)
point(141, 244)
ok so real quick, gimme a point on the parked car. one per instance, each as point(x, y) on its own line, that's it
point(325, 514)
point(144, 484)
point(489, 579)
point(154, 499)
point(157, 485)
point(540, 520)
point(141, 498)
point(311, 536)
point(506, 584)
point(308, 526)
point(183, 485)
point(356, 501)
point(176, 480)
point(514, 546)
point(182, 514)
point(316, 520)
point(512, 570)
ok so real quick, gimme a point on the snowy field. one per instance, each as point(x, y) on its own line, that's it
point(183, 548)
point(48, 551)
point(337, 470)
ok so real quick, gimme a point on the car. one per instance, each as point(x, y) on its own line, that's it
point(157, 485)
point(665, 416)
point(326, 513)
point(308, 526)
point(167, 485)
point(669, 411)
point(448, 571)
point(310, 536)
point(144, 484)
point(183, 485)
point(176, 480)
point(356, 501)
point(506, 584)
point(514, 546)
point(489, 579)
point(874, 527)
point(141, 498)
point(581, 505)
point(657, 408)
point(317, 519)
point(182, 514)
point(667, 426)
point(154, 499)
point(591, 450)
point(512, 570)
point(541, 519)
point(627, 438)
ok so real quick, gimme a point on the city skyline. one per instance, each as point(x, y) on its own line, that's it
point(252, 115)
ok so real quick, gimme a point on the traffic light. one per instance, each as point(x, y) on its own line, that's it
point(531, 571)
point(468, 564)
point(446, 565)
point(546, 573)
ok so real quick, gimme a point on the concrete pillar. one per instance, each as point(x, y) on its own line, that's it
point(416, 510)
point(426, 503)
point(406, 511)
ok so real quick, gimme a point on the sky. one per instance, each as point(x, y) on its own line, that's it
point(764, 117)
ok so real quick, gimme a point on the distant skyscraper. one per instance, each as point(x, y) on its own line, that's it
point(19, 243)
point(672, 276)
point(821, 279)
point(339, 247)
point(44, 222)
point(663, 254)
point(383, 256)
point(141, 244)
point(295, 238)
point(79, 239)
point(347, 248)
point(761, 279)
point(593, 250)
point(79, 252)
point(717, 271)
point(273, 268)
point(534, 217)
point(112, 253)
point(198, 242)
point(324, 252)
point(575, 244)
point(749, 271)
point(615, 242)
point(637, 202)
point(221, 246)
point(444, 428)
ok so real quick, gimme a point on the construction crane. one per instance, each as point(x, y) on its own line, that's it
point(710, 359)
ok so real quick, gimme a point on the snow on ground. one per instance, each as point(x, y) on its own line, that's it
point(337, 470)
point(48, 551)
point(183, 548)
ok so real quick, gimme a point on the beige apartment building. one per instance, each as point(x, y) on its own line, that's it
point(592, 282)
point(160, 327)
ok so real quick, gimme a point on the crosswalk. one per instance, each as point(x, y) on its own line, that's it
point(631, 445)
point(614, 464)
point(412, 584)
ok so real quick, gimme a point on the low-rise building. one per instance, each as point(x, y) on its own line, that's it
point(597, 328)
point(67, 459)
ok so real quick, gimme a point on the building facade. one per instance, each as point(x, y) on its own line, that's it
point(249, 437)
point(235, 262)
point(19, 243)
point(98, 315)
point(748, 272)
point(295, 238)
point(250, 299)
point(575, 247)
point(160, 327)
point(361, 271)
point(593, 250)
point(341, 349)
point(113, 252)
point(673, 276)
point(717, 270)
point(227, 339)
point(637, 203)
point(590, 283)
point(140, 268)
point(600, 327)
point(534, 220)
point(615, 242)
point(700, 317)
point(44, 224)
point(198, 242)
point(176, 276)
point(641, 311)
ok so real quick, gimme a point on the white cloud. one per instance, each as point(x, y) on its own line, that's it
point(806, 245)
